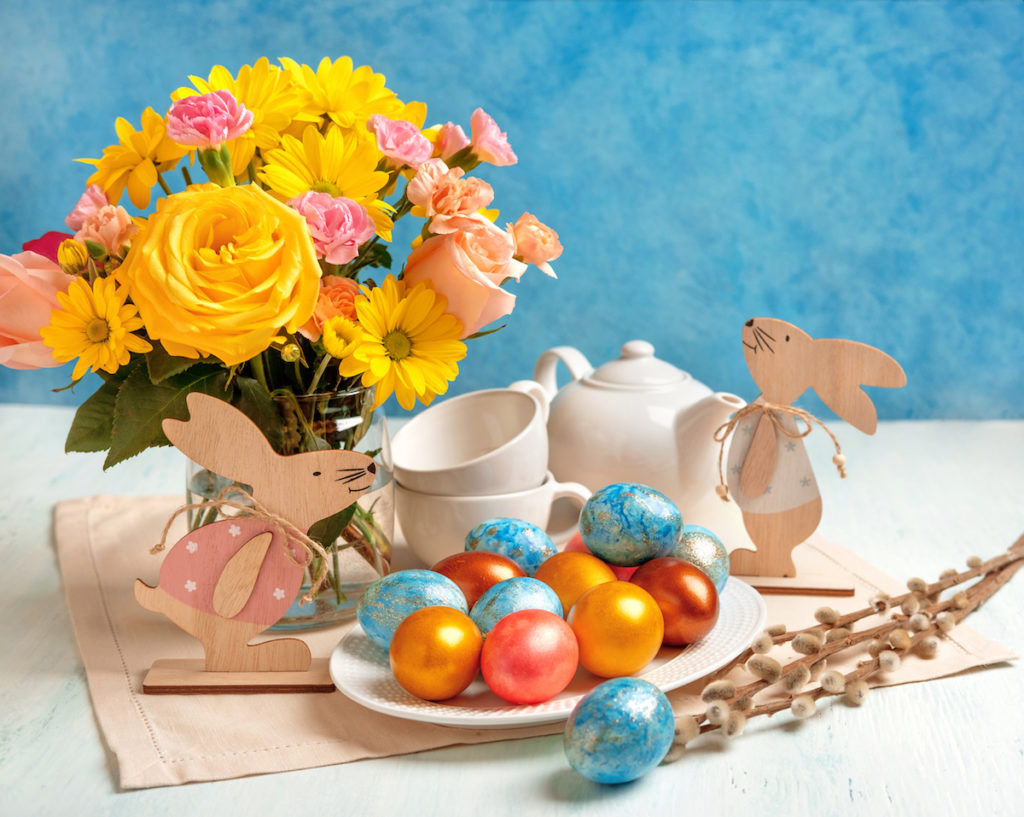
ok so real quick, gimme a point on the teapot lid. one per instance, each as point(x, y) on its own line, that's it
point(637, 368)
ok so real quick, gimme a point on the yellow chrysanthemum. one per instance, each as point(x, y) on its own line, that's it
point(348, 96)
point(339, 163)
point(341, 337)
point(95, 325)
point(266, 90)
point(135, 161)
point(410, 344)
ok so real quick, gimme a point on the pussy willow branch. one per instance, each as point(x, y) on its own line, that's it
point(995, 574)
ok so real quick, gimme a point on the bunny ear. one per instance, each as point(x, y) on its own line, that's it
point(219, 437)
point(842, 367)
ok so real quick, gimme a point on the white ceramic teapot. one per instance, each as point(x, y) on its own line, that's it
point(635, 419)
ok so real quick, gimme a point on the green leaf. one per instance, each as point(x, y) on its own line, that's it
point(93, 425)
point(255, 402)
point(142, 405)
point(327, 530)
point(485, 334)
point(96, 250)
point(376, 255)
point(162, 365)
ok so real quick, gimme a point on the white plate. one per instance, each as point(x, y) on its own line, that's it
point(361, 671)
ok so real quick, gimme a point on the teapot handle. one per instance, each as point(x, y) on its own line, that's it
point(547, 363)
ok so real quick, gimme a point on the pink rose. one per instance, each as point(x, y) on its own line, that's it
point(207, 120)
point(400, 141)
point(467, 267)
point(110, 226)
point(489, 143)
point(536, 243)
point(46, 245)
point(92, 200)
point(29, 284)
point(445, 196)
point(451, 138)
point(337, 298)
point(338, 225)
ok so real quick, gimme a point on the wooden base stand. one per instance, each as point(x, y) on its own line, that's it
point(185, 676)
point(806, 584)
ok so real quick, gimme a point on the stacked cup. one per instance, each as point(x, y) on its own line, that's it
point(474, 457)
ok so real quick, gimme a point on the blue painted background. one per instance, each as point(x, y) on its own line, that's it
point(855, 168)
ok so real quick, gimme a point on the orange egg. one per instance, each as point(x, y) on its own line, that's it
point(571, 574)
point(619, 627)
point(435, 652)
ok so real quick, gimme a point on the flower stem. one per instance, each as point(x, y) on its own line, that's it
point(319, 373)
point(259, 371)
point(163, 183)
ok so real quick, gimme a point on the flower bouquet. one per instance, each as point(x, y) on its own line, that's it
point(267, 284)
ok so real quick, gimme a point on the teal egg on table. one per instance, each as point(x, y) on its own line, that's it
point(511, 596)
point(627, 524)
point(619, 731)
point(388, 601)
point(522, 542)
point(701, 548)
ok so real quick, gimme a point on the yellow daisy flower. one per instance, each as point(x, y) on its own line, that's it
point(95, 325)
point(266, 90)
point(410, 344)
point(135, 161)
point(347, 96)
point(339, 163)
point(341, 337)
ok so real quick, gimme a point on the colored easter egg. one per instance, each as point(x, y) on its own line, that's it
point(619, 731)
point(701, 547)
point(510, 596)
point(525, 544)
point(476, 571)
point(625, 524)
point(570, 574)
point(435, 652)
point(387, 602)
point(530, 656)
point(575, 544)
point(685, 594)
point(619, 628)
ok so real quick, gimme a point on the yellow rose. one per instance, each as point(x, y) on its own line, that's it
point(220, 270)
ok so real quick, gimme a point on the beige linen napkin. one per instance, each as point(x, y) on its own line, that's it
point(103, 545)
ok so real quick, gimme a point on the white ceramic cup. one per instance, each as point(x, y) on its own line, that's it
point(486, 442)
point(435, 527)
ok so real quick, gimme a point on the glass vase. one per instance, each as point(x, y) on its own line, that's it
point(360, 553)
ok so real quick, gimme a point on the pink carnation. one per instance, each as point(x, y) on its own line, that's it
point(451, 138)
point(109, 226)
point(338, 225)
point(400, 141)
point(489, 143)
point(92, 200)
point(207, 120)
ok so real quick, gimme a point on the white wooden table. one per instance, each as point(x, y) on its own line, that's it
point(921, 497)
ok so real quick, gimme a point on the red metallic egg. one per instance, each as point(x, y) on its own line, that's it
point(476, 571)
point(530, 656)
point(687, 598)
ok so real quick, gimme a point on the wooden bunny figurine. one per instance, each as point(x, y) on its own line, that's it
point(768, 472)
point(228, 581)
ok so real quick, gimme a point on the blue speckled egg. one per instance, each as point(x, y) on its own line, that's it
point(391, 598)
point(525, 544)
point(510, 596)
point(619, 731)
point(700, 547)
point(627, 524)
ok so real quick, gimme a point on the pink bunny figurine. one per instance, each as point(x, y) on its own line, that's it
point(768, 471)
point(226, 582)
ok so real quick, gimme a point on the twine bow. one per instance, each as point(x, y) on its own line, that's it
point(289, 534)
point(771, 411)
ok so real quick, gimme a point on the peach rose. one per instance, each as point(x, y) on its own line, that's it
point(467, 266)
point(29, 284)
point(536, 243)
point(337, 297)
point(445, 196)
point(110, 226)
